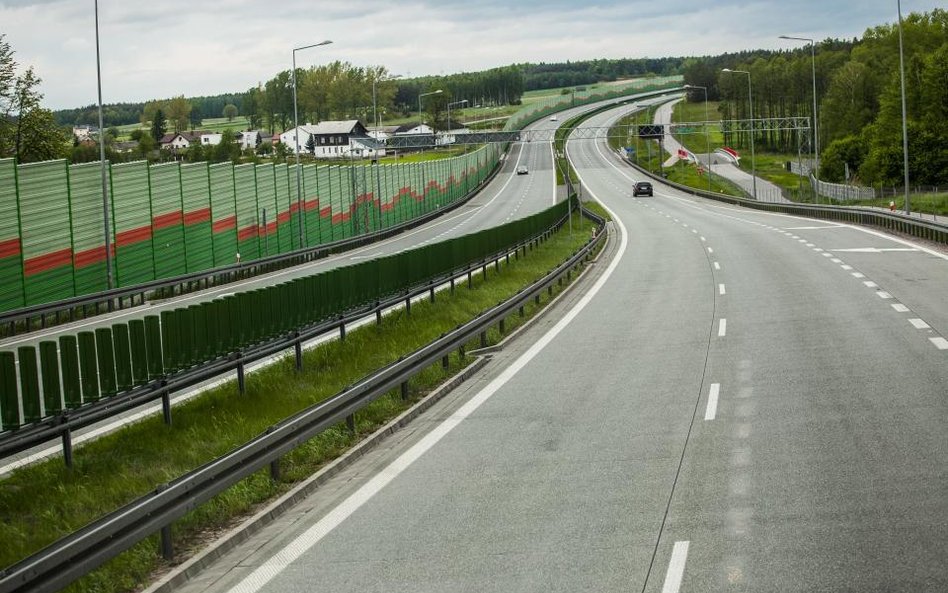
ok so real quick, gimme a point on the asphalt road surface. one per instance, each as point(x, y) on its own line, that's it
point(734, 401)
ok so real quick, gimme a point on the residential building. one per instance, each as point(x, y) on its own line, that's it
point(331, 139)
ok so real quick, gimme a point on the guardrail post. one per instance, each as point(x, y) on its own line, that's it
point(461, 351)
point(342, 329)
point(408, 304)
point(483, 339)
point(167, 546)
point(431, 291)
point(452, 284)
point(166, 404)
point(469, 277)
point(536, 299)
point(298, 352)
point(378, 314)
point(485, 270)
point(67, 445)
point(521, 311)
point(351, 423)
point(241, 380)
point(497, 265)
point(275, 464)
point(501, 325)
point(404, 389)
point(445, 362)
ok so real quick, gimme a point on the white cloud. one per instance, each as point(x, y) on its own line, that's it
point(188, 47)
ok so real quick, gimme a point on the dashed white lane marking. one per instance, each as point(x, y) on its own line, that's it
point(703, 239)
point(919, 324)
point(846, 267)
point(275, 564)
point(721, 289)
point(883, 294)
point(900, 307)
point(826, 254)
point(836, 260)
point(876, 249)
point(817, 249)
point(809, 245)
point(858, 275)
point(940, 343)
point(710, 250)
point(712, 409)
point(717, 266)
point(676, 567)
point(870, 284)
point(722, 327)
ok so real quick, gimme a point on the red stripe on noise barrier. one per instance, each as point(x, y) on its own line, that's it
point(247, 233)
point(89, 257)
point(49, 261)
point(163, 221)
point(284, 217)
point(202, 215)
point(9, 248)
point(225, 224)
point(311, 204)
point(132, 236)
point(326, 212)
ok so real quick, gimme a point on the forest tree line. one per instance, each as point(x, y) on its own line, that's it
point(858, 93)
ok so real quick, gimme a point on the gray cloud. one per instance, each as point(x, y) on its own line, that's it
point(152, 50)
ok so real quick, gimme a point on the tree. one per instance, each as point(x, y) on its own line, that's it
point(146, 144)
point(230, 111)
point(158, 125)
point(27, 131)
point(227, 150)
point(253, 107)
point(178, 112)
point(311, 144)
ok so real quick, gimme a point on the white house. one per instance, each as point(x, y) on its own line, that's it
point(248, 139)
point(175, 142)
point(210, 139)
point(331, 139)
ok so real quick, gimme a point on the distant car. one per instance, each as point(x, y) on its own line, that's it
point(553, 118)
point(642, 188)
point(521, 170)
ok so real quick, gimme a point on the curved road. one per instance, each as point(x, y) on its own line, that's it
point(740, 401)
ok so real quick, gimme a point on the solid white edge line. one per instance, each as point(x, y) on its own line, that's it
point(711, 411)
point(676, 567)
point(722, 327)
point(275, 564)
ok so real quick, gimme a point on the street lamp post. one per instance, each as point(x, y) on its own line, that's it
point(375, 113)
point(461, 102)
point(750, 101)
point(296, 142)
point(905, 161)
point(707, 135)
point(437, 92)
point(816, 135)
point(110, 282)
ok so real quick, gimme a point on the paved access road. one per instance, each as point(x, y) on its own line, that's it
point(738, 401)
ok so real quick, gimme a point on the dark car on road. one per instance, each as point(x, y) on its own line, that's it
point(642, 188)
point(521, 170)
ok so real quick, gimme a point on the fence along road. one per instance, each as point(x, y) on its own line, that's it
point(732, 408)
point(507, 197)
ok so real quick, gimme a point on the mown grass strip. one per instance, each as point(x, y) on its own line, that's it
point(42, 503)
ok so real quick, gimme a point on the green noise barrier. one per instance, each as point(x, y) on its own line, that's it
point(170, 219)
point(92, 365)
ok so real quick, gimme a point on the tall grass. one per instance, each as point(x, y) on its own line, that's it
point(41, 503)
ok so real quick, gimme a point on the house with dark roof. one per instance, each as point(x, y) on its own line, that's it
point(331, 139)
point(179, 140)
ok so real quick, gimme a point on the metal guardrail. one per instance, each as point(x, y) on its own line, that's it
point(81, 552)
point(63, 424)
point(891, 221)
point(112, 299)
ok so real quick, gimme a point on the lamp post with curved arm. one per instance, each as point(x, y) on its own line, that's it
point(296, 142)
point(750, 100)
point(707, 135)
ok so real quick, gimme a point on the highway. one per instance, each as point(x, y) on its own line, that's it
point(507, 197)
point(731, 401)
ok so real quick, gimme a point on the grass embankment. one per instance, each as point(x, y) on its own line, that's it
point(649, 155)
point(42, 503)
point(925, 203)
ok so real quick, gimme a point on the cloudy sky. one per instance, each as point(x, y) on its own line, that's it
point(199, 47)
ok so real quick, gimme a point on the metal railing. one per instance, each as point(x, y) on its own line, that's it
point(81, 552)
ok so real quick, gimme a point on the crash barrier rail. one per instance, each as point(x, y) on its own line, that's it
point(165, 220)
point(81, 552)
point(890, 221)
point(88, 376)
point(380, 225)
